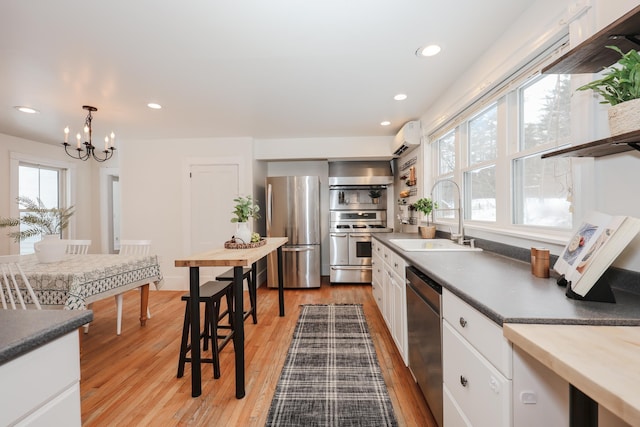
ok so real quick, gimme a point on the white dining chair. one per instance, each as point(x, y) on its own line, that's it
point(78, 247)
point(130, 247)
point(9, 289)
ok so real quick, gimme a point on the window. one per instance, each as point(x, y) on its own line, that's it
point(543, 191)
point(480, 182)
point(39, 182)
point(446, 153)
point(542, 187)
point(505, 183)
point(545, 111)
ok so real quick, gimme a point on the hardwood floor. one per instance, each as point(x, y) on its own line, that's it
point(131, 379)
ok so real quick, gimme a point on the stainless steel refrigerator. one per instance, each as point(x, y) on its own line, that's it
point(293, 211)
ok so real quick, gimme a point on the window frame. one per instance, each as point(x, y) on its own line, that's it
point(67, 186)
point(507, 97)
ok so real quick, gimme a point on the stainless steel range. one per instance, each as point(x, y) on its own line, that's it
point(358, 207)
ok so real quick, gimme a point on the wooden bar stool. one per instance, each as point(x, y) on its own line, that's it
point(211, 294)
point(249, 275)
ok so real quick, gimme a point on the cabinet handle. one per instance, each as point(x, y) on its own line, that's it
point(395, 264)
point(463, 322)
point(463, 381)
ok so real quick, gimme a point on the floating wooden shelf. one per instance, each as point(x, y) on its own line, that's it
point(592, 56)
point(603, 147)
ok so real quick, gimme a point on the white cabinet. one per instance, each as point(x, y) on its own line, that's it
point(477, 367)
point(41, 387)
point(540, 397)
point(377, 274)
point(388, 283)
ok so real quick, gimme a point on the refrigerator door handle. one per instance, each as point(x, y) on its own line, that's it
point(285, 249)
point(269, 209)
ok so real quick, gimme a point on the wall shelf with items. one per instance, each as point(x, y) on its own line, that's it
point(603, 147)
point(591, 56)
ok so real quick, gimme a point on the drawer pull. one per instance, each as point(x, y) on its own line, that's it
point(463, 381)
point(463, 322)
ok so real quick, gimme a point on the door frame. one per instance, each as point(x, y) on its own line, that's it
point(187, 163)
point(106, 203)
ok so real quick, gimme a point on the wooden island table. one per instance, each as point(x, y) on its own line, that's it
point(236, 258)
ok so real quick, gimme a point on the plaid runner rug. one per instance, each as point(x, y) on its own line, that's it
point(331, 376)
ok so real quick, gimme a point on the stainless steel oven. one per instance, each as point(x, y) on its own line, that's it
point(350, 238)
point(359, 249)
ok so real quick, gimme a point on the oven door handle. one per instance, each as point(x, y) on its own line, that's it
point(338, 234)
point(346, 267)
point(360, 237)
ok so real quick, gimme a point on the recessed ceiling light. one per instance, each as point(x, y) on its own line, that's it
point(154, 106)
point(28, 110)
point(400, 97)
point(430, 50)
point(385, 123)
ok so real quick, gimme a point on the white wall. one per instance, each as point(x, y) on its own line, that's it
point(85, 223)
point(152, 179)
point(354, 148)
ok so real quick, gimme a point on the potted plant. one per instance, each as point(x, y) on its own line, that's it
point(38, 220)
point(245, 208)
point(426, 206)
point(620, 87)
point(375, 196)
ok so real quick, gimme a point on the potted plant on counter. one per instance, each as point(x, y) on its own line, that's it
point(620, 87)
point(38, 220)
point(426, 206)
point(245, 208)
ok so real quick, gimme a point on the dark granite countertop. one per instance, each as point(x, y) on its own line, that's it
point(504, 289)
point(24, 330)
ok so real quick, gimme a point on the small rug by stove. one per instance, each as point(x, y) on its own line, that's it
point(331, 376)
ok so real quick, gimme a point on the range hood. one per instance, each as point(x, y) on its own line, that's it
point(360, 173)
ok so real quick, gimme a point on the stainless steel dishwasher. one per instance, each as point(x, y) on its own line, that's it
point(424, 326)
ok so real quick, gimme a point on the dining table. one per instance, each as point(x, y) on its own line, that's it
point(76, 281)
point(238, 259)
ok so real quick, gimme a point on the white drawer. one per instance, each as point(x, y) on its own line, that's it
point(481, 332)
point(396, 262)
point(482, 393)
point(452, 415)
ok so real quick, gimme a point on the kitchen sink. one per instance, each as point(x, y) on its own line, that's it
point(430, 245)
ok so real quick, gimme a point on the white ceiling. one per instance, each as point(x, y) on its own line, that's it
point(260, 68)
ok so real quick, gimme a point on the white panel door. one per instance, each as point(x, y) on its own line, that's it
point(213, 188)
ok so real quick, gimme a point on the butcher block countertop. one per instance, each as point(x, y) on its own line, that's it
point(221, 257)
point(601, 361)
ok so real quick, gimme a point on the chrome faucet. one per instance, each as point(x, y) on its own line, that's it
point(459, 237)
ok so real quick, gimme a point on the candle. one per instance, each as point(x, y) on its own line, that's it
point(106, 143)
point(78, 138)
point(86, 133)
point(66, 134)
point(113, 137)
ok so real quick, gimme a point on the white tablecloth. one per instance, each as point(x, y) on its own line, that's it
point(79, 280)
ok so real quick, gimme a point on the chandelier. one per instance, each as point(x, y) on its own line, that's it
point(89, 150)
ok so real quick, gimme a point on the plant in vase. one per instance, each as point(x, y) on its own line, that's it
point(620, 87)
point(38, 220)
point(426, 207)
point(245, 208)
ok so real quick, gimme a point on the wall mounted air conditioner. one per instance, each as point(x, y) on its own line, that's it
point(407, 138)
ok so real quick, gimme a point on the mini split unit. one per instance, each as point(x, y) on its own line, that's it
point(407, 138)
